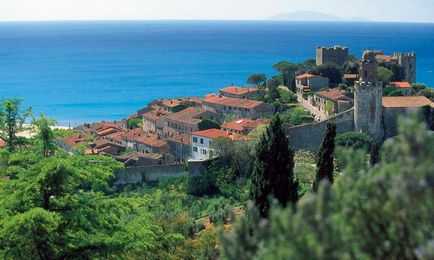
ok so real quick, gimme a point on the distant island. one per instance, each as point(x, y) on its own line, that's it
point(305, 15)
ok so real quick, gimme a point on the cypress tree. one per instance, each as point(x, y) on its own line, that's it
point(375, 154)
point(273, 169)
point(325, 165)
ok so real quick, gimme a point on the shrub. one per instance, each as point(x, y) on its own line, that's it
point(355, 140)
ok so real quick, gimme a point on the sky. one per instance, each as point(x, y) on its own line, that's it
point(375, 10)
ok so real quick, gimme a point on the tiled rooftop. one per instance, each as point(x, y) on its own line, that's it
point(238, 90)
point(188, 115)
point(73, 140)
point(233, 102)
point(403, 84)
point(304, 76)
point(351, 76)
point(403, 102)
point(211, 133)
point(243, 123)
point(332, 93)
point(155, 114)
point(143, 137)
point(184, 139)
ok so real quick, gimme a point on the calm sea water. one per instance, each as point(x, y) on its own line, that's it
point(84, 71)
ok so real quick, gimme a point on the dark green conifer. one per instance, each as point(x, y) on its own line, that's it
point(375, 154)
point(273, 169)
point(325, 165)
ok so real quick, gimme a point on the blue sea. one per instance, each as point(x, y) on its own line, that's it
point(86, 71)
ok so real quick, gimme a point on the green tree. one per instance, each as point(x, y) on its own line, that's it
point(273, 89)
point(384, 74)
point(331, 71)
point(11, 122)
point(287, 72)
point(325, 166)
point(206, 124)
point(397, 70)
point(244, 241)
point(45, 135)
point(370, 213)
point(134, 123)
point(56, 208)
point(273, 169)
point(355, 140)
point(257, 79)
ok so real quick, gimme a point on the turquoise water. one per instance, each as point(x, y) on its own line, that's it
point(85, 71)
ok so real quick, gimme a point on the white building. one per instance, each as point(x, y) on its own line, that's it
point(201, 142)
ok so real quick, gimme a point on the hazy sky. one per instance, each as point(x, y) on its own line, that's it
point(379, 10)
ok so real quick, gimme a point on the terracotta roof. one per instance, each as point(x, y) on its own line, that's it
point(155, 114)
point(74, 140)
point(174, 102)
point(239, 90)
point(183, 139)
point(410, 101)
point(188, 115)
point(304, 76)
point(143, 137)
point(257, 122)
point(2, 143)
point(332, 93)
point(211, 133)
point(107, 131)
point(115, 136)
point(351, 76)
point(100, 143)
point(237, 124)
point(91, 151)
point(385, 58)
point(233, 102)
point(401, 84)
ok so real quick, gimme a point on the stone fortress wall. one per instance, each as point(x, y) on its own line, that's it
point(309, 137)
point(139, 175)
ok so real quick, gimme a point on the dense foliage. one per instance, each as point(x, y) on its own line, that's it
point(379, 212)
point(273, 174)
point(206, 124)
point(325, 165)
point(134, 123)
point(355, 140)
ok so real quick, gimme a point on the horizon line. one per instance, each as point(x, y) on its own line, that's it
point(211, 20)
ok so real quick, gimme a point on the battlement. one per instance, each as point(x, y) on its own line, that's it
point(408, 54)
point(336, 54)
point(333, 48)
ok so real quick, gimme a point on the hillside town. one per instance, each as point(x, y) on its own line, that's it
point(375, 91)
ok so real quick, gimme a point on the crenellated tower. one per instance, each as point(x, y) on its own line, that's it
point(368, 92)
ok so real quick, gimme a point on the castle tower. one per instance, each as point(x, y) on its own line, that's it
point(368, 92)
point(408, 62)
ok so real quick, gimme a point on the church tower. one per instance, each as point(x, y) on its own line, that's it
point(368, 92)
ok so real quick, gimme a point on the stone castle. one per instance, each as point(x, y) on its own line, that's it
point(372, 113)
point(406, 60)
point(368, 92)
point(335, 54)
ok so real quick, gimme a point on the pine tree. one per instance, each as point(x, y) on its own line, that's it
point(273, 169)
point(325, 165)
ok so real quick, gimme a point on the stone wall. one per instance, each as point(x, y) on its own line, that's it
point(142, 174)
point(309, 137)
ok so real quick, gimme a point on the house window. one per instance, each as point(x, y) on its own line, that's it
point(194, 149)
point(194, 139)
point(201, 140)
point(204, 151)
